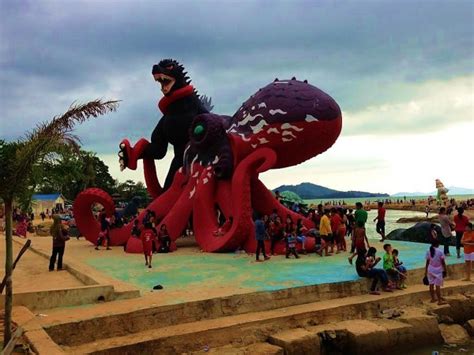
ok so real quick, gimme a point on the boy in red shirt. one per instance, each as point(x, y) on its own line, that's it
point(148, 236)
point(460, 224)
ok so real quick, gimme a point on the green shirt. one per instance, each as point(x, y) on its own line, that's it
point(360, 217)
point(388, 262)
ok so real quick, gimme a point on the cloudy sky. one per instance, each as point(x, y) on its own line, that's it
point(402, 72)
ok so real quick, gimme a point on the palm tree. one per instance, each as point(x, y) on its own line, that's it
point(17, 160)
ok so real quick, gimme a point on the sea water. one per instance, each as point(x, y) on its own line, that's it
point(352, 201)
point(391, 217)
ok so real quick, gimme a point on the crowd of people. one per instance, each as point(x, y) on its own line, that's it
point(153, 241)
point(332, 228)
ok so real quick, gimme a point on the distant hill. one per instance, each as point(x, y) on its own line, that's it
point(453, 190)
point(310, 191)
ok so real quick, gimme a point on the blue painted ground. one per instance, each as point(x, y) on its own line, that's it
point(185, 269)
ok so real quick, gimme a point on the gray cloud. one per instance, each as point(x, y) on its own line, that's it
point(52, 53)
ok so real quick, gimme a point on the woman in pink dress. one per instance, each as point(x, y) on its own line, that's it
point(435, 271)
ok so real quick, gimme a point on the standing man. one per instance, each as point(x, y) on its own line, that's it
point(360, 215)
point(445, 229)
point(260, 232)
point(380, 226)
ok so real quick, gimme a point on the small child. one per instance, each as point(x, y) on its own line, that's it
point(435, 271)
point(402, 270)
point(468, 242)
point(389, 266)
point(291, 246)
point(148, 236)
point(361, 242)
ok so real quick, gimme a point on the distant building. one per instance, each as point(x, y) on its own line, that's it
point(42, 202)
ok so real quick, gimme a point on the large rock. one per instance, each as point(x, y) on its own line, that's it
point(470, 327)
point(420, 233)
point(454, 334)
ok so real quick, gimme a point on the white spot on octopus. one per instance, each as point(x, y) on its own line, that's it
point(254, 146)
point(205, 180)
point(262, 105)
point(216, 159)
point(245, 139)
point(191, 193)
point(288, 133)
point(192, 163)
point(310, 118)
point(274, 112)
point(248, 118)
point(259, 126)
point(289, 126)
point(287, 139)
point(273, 130)
point(263, 140)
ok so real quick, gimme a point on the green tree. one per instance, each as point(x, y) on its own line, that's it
point(17, 162)
point(70, 172)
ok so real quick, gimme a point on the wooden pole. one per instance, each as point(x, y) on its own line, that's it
point(8, 271)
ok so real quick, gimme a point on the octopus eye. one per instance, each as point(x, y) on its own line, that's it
point(198, 130)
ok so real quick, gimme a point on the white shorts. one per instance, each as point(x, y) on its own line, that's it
point(469, 257)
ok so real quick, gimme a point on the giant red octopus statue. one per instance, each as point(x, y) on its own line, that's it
point(283, 124)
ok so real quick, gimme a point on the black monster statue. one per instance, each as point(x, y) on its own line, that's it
point(180, 104)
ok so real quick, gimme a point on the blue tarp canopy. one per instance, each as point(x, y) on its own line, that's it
point(46, 197)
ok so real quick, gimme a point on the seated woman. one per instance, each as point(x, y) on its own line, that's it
point(365, 267)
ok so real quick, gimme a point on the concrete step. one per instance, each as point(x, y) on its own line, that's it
point(253, 349)
point(133, 316)
point(297, 341)
point(257, 327)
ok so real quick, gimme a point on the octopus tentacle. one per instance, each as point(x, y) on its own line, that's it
point(242, 228)
point(178, 215)
point(223, 197)
point(129, 157)
point(87, 223)
point(153, 185)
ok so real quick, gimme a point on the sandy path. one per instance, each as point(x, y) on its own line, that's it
point(31, 272)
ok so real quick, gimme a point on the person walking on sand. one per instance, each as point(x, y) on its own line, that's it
point(104, 231)
point(380, 226)
point(460, 224)
point(260, 233)
point(435, 271)
point(445, 229)
point(468, 243)
point(60, 237)
point(325, 232)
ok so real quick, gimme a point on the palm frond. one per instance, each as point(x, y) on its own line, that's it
point(51, 136)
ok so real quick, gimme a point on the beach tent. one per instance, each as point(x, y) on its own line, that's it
point(42, 202)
